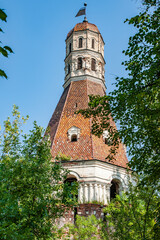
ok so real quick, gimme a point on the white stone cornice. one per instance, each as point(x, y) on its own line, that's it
point(85, 77)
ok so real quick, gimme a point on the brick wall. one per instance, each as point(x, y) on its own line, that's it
point(75, 97)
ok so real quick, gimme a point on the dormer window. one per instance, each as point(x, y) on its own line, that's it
point(73, 134)
point(93, 43)
point(70, 47)
point(79, 63)
point(80, 43)
point(93, 64)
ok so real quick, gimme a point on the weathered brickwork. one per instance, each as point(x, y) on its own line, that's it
point(90, 209)
point(84, 210)
point(76, 99)
point(88, 146)
point(53, 123)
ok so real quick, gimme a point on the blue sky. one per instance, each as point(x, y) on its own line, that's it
point(36, 31)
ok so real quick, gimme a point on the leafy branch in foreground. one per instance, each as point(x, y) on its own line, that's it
point(135, 103)
point(32, 189)
point(4, 50)
point(133, 215)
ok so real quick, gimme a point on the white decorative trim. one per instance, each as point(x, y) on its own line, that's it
point(85, 77)
point(106, 136)
point(73, 174)
point(73, 131)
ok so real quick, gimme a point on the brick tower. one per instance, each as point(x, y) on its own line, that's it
point(99, 180)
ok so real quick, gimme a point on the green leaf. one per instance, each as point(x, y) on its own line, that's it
point(3, 74)
point(3, 15)
point(8, 49)
point(4, 52)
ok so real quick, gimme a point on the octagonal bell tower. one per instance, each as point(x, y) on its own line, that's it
point(84, 54)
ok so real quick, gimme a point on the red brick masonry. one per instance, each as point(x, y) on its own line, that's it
point(75, 97)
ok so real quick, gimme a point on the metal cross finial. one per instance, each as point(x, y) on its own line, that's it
point(85, 18)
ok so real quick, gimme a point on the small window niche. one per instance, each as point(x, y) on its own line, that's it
point(93, 43)
point(70, 48)
point(80, 63)
point(80, 44)
point(93, 64)
point(73, 134)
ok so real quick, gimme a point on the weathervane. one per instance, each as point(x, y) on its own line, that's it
point(82, 11)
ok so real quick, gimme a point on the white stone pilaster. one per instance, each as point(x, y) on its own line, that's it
point(100, 193)
point(80, 193)
point(86, 192)
point(95, 192)
point(104, 194)
point(108, 192)
point(91, 197)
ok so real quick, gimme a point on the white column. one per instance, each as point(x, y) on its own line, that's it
point(104, 194)
point(83, 193)
point(86, 192)
point(108, 192)
point(100, 193)
point(98, 196)
point(91, 196)
point(95, 192)
point(80, 193)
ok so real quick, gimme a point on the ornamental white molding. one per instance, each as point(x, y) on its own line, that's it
point(73, 131)
point(106, 134)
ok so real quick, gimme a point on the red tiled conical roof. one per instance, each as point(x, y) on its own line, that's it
point(88, 146)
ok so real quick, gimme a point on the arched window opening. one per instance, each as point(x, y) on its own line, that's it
point(80, 42)
point(69, 68)
point(79, 63)
point(71, 180)
point(92, 43)
point(93, 64)
point(74, 138)
point(70, 186)
point(71, 189)
point(114, 189)
point(70, 47)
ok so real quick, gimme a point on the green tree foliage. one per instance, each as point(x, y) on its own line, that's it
point(135, 102)
point(85, 228)
point(32, 189)
point(4, 50)
point(133, 216)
